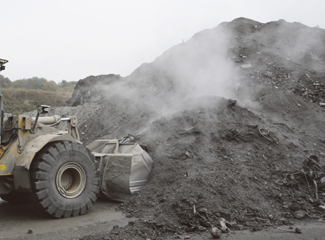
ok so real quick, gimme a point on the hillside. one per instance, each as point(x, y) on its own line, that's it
point(25, 95)
point(17, 101)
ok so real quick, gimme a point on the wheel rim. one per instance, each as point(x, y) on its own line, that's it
point(71, 180)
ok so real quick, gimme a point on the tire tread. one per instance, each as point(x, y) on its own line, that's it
point(42, 172)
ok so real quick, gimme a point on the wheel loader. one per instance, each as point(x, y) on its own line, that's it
point(53, 170)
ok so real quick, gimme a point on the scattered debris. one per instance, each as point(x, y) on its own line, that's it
point(299, 214)
point(270, 136)
point(215, 233)
point(247, 65)
point(297, 230)
point(224, 228)
point(218, 143)
point(231, 103)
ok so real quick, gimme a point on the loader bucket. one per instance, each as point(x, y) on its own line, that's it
point(124, 167)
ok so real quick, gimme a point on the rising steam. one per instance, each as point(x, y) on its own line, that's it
point(196, 68)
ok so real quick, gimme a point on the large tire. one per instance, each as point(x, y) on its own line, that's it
point(65, 179)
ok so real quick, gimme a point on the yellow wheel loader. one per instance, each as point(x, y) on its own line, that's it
point(54, 171)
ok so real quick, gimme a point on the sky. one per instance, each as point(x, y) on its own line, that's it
point(72, 39)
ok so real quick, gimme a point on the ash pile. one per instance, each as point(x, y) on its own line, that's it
point(234, 119)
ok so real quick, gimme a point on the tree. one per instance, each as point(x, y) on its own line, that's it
point(35, 83)
point(50, 86)
point(5, 82)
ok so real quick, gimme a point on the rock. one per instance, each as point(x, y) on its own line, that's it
point(268, 74)
point(201, 229)
point(231, 224)
point(322, 207)
point(247, 65)
point(215, 233)
point(159, 224)
point(202, 210)
point(299, 214)
point(224, 228)
point(298, 230)
point(162, 200)
point(231, 103)
point(151, 221)
point(322, 180)
point(294, 207)
point(285, 221)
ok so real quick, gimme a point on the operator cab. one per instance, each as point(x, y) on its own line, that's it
point(2, 62)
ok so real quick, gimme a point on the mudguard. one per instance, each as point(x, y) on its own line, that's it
point(21, 172)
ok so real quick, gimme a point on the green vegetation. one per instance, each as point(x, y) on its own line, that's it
point(37, 84)
point(25, 100)
point(25, 95)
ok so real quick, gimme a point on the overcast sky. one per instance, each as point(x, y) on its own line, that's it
point(72, 39)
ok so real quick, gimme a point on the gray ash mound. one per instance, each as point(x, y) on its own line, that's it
point(233, 119)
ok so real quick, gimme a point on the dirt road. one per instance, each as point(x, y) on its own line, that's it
point(16, 220)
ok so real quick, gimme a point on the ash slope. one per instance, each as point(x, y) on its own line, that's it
point(209, 151)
